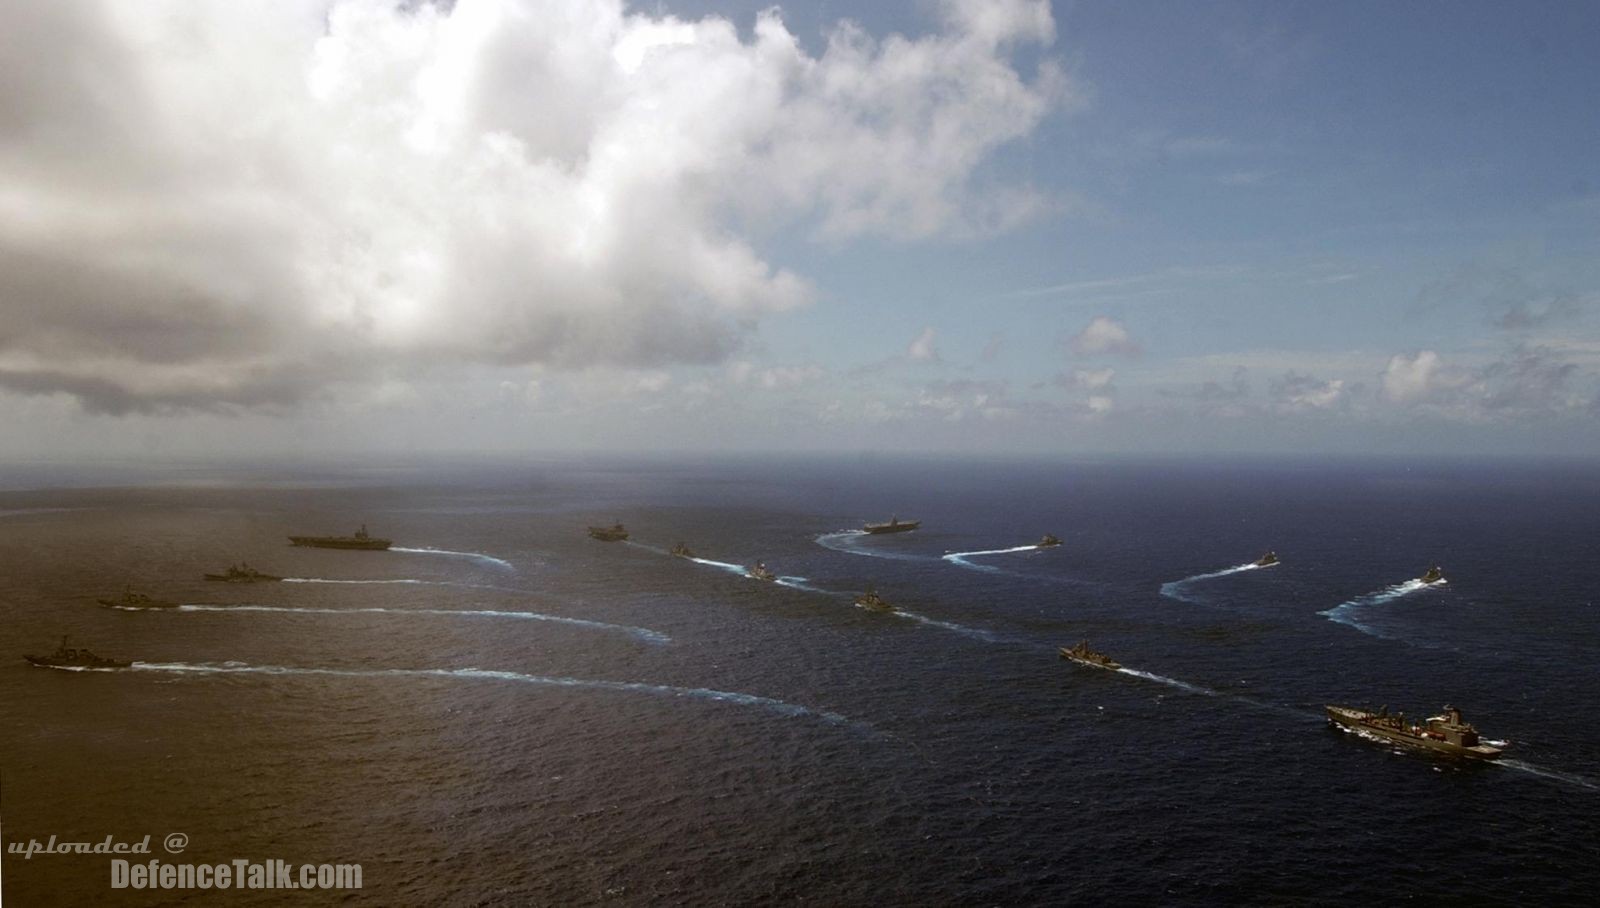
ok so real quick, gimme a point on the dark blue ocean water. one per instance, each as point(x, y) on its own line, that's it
point(512, 713)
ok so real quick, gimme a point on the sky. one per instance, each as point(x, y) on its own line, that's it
point(970, 226)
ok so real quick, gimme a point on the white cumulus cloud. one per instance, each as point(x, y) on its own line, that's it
point(231, 204)
point(1103, 335)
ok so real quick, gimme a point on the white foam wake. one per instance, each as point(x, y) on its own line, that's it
point(1557, 775)
point(1177, 588)
point(1348, 613)
point(702, 693)
point(960, 558)
point(849, 542)
point(642, 633)
point(476, 556)
point(322, 580)
point(1170, 682)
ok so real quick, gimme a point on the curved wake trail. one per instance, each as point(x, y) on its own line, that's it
point(1348, 613)
point(700, 693)
point(476, 556)
point(643, 633)
point(847, 541)
point(1175, 589)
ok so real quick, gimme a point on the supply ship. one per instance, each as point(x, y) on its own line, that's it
point(1445, 734)
point(895, 525)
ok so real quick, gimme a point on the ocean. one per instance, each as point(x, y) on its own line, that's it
point(502, 711)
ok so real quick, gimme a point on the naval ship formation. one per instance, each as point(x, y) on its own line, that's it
point(361, 540)
point(1444, 734)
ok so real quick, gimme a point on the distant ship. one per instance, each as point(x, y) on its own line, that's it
point(1048, 541)
point(895, 525)
point(1083, 655)
point(871, 601)
point(1445, 734)
point(70, 657)
point(359, 541)
point(130, 599)
point(614, 533)
point(683, 551)
point(1434, 575)
point(242, 573)
point(1267, 560)
point(760, 571)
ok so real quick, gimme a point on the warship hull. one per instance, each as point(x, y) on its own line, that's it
point(48, 662)
point(879, 529)
point(139, 604)
point(340, 542)
point(225, 578)
point(1397, 732)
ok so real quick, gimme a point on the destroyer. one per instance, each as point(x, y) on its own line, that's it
point(130, 599)
point(242, 573)
point(70, 657)
point(683, 551)
point(1267, 560)
point(1048, 541)
point(760, 571)
point(361, 540)
point(895, 525)
point(1433, 575)
point(614, 533)
point(1083, 655)
point(1446, 734)
point(872, 602)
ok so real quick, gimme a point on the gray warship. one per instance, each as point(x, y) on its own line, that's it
point(872, 602)
point(614, 533)
point(242, 573)
point(1083, 655)
point(1267, 560)
point(895, 525)
point(361, 540)
point(130, 599)
point(760, 571)
point(1443, 734)
point(70, 657)
point(1433, 575)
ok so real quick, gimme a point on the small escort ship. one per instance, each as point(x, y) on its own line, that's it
point(1083, 655)
point(361, 540)
point(1267, 560)
point(682, 551)
point(895, 525)
point(1048, 541)
point(1433, 575)
point(760, 571)
point(70, 657)
point(1446, 734)
point(614, 533)
point(242, 573)
point(130, 599)
point(872, 602)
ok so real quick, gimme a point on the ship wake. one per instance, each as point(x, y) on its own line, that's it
point(324, 580)
point(1178, 589)
point(849, 542)
point(1349, 613)
point(769, 704)
point(500, 563)
point(1170, 682)
point(642, 633)
point(960, 558)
